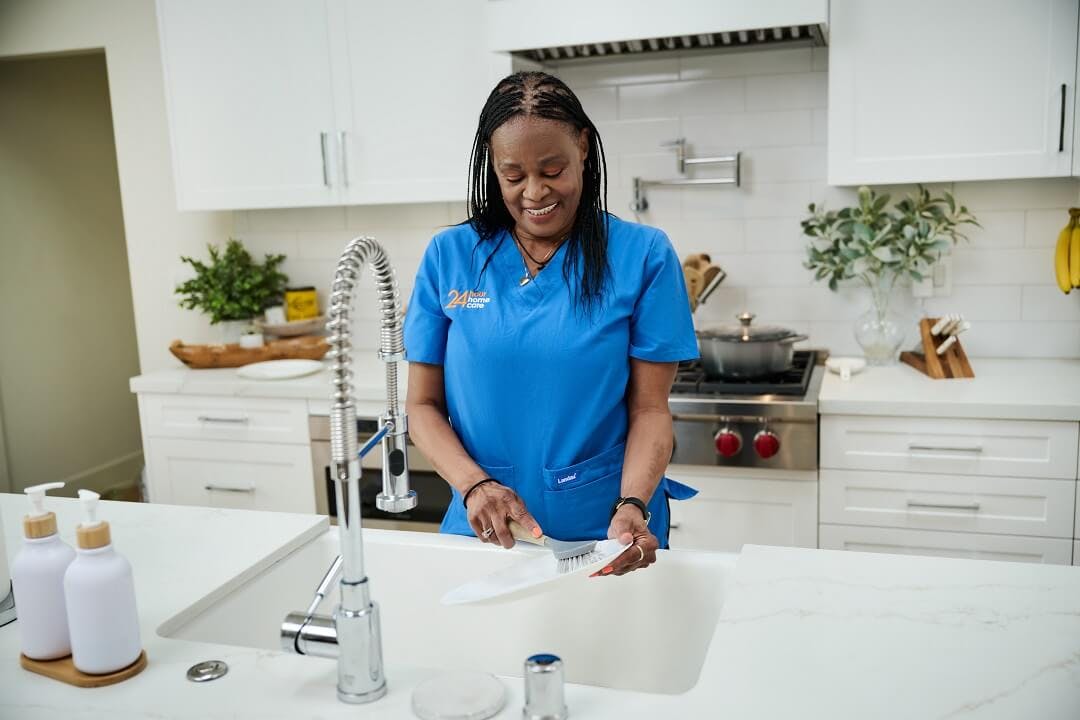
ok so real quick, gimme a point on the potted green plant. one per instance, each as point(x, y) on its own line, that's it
point(232, 288)
point(880, 247)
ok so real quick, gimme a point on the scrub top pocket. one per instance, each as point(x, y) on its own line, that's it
point(578, 498)
point(503, 473)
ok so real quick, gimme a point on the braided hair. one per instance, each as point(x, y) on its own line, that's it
point(537, 94)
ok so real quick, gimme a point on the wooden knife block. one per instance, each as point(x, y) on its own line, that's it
point(953, 363)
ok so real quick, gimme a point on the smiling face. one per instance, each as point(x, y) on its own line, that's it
point(539, 165)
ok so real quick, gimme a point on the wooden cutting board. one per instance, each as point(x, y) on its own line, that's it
point(64, 670)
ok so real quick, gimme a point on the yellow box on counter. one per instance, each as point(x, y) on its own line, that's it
point(301, 303)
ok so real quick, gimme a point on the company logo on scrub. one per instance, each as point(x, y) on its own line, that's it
point(566, 479)
point(468, 299)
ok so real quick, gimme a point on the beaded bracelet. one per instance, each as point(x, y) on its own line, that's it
point(465, 497)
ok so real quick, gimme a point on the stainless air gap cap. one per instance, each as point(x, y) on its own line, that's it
point(544, 699)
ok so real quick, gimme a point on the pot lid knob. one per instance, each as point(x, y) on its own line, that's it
point(766, 444)
point(745, 319)
point(728, 442)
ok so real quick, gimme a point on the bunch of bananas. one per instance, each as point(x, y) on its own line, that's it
point(1067, 254)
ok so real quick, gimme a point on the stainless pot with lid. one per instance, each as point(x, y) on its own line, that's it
point(747, 351)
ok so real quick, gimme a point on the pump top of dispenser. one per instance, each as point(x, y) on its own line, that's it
point(91, 532)
point(39, 522)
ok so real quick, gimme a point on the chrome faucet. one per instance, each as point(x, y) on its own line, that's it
point(351, 634)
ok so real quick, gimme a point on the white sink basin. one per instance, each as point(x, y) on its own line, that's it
point(647, 631)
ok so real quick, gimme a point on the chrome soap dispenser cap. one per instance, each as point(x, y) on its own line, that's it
point(544, 699)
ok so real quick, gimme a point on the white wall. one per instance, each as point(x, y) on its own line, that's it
point(68, 344)
point(156, 233)
point(770, 105)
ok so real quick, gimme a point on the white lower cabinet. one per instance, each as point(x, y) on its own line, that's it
point(1076, 553)
point(732, 510)
point(248, 476)
point(948, 446)
point(227, 452)
point(976, 546)
point(966, 503)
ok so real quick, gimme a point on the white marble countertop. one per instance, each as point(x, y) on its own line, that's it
point(804, 633)
point(369, 383)
point(1017, 389)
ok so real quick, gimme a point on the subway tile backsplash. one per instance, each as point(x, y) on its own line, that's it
point(771, 106)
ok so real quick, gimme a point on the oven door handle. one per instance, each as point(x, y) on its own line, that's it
point(755, 419)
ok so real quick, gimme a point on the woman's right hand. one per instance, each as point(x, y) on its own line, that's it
point(490, 507)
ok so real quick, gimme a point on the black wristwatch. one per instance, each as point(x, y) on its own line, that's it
point(636, 502)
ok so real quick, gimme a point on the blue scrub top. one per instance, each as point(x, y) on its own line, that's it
point(535, 385)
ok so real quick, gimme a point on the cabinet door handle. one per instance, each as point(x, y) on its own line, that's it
point(234, 421)
point(946, 448)
point(325, 167)
point(344, 159)
point(1061, 129)
point(674, 525)
point(225, 488)
point(943, 506)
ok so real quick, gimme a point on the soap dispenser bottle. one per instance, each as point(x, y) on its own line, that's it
point(37, 577)
point(102, 617)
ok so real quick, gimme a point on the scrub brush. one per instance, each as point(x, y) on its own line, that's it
point(570, 554)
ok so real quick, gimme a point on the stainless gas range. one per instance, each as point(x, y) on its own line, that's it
point(751, 450)
point(766, 424)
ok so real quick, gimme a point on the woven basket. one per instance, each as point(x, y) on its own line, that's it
point(308, 347)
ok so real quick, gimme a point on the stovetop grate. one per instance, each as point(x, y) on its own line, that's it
point(691, 380)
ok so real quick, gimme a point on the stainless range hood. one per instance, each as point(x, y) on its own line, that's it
point(577, 29)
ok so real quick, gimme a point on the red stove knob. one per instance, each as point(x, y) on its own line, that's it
point(728, 442)
point(766, 444)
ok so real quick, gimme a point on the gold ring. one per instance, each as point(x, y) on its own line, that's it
point(640, 550)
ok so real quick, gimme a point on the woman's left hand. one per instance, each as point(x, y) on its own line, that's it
point(629, 526)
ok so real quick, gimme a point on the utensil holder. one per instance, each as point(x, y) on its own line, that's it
point(951, 364)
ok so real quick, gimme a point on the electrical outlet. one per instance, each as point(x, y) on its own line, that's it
point(943, 276)
point(923, 288)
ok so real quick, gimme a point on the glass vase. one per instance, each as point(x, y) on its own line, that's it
point(880, 331)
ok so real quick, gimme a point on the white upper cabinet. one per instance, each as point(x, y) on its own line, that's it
point(292, 103)
point(925, 90)
point(250, 102)
point(419, 76)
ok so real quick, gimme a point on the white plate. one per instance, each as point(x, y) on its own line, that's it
point(279, 369)
point(537, 574)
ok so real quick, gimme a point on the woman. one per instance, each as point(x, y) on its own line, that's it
point(543, 336)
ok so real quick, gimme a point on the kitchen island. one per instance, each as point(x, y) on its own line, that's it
point(803, 633)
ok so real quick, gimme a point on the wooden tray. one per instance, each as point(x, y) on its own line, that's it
point(308, 347)
point(64, 671)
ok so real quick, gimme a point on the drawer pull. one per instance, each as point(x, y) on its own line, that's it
point(224, 488)
point(943, 506)
point(233, 421)
point(946, 448)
